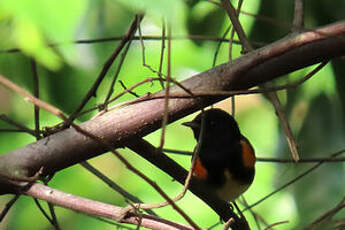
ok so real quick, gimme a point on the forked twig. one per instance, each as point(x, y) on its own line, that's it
point(92, 91)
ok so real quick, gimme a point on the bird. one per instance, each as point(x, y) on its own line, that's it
point(225, 159)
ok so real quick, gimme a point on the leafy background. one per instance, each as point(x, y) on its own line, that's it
point(315, 109)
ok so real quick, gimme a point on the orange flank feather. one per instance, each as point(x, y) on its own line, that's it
point(248, 155)
point(199, 170)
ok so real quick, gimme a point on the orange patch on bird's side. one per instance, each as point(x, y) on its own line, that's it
point(199, 170)
point(248, 155)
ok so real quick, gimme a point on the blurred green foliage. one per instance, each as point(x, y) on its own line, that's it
point(33, 24)
point(66, 72)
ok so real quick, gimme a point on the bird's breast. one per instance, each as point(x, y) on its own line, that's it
point(232, 188)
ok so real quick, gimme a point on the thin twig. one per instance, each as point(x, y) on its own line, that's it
point(243, 218)
point(229, 93)
point(231, 39)
point(140, 219)
point(168, 77)
point(276, 224)
point(15, 131)
point(8, 207)
point(36, 94)
point(113, 185)
point(28, 97)
point(167, 92)
point(100, 209)
point(294, 180)
point(53, 220)
point(92, 91)
point(21, 127)
point(271, 95)
point(157, 188)
point(166, 164)
point(257, 218)
point(284, 124)
point(298, 19)
point(45, 214)
point(143, 56)
point(119, 67)
point(228, 223)
point(232, 33)
point(303, 160)
point(100, 141)
point(117, 225)
point(146, 37)
point(270, 20)
point(159, 72)
point(214, 61)
point(329, 214)
point(179, 152)
point(214, 225)
point(233, 15)
point(125, 88)
point(272, 160)
point(130, 89)
point(223, 93)
point(162, 53)
point(189, 176)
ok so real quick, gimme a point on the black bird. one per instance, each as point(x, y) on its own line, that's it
point(226, 159)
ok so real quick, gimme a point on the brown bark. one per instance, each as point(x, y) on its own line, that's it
point(129, 123)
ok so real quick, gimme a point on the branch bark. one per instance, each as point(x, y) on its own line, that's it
point(100, 209)
point(123, 126)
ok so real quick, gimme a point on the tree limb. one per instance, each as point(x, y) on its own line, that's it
point(100, 209)
point(126, 124)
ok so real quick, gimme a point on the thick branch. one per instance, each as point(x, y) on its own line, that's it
point(69, 147)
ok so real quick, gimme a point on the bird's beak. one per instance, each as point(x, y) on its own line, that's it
point(191, 124)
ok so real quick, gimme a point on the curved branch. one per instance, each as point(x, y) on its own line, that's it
point(69, 147)
point(100, 209)
point(119, 127)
